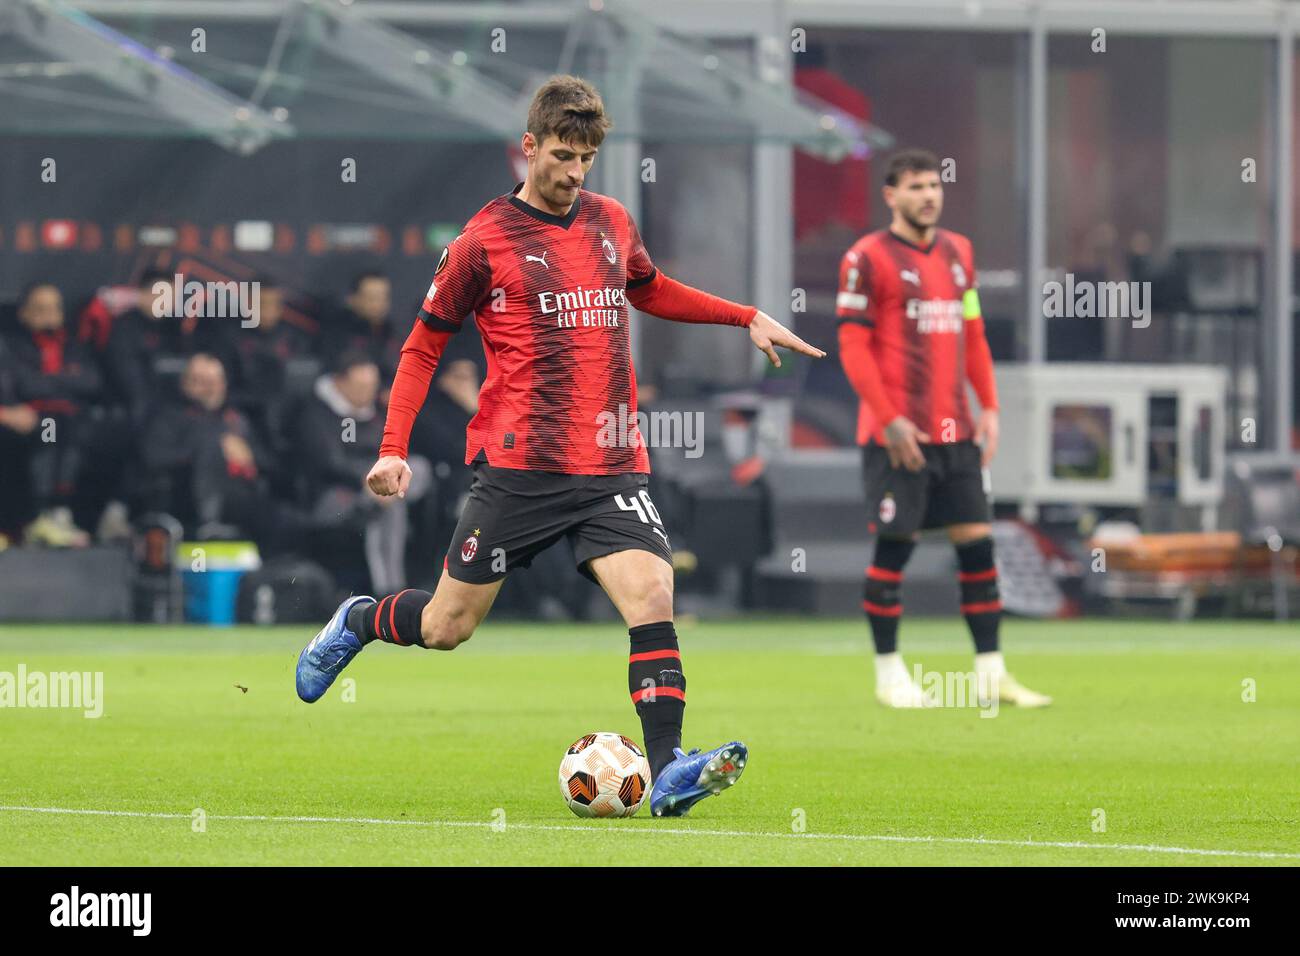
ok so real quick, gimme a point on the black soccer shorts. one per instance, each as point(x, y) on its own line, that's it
point(512, 515)
point(948, 490)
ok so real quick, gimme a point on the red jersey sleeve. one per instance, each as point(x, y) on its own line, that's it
point(640, 270)
point(862, 371)
point(461, 282)
point(669, 299)
point(979, 359)
point(854, 300)
point(415, 371)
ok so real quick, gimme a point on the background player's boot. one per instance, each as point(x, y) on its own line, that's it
point(904, 694)
point(1011, 691)
point(895, 686)
point(693, 776)
point(331, 650)
point(991, 672)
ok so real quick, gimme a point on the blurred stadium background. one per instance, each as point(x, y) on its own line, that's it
point(1143, 469)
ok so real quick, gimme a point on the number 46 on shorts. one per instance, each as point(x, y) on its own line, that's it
point(640, 503)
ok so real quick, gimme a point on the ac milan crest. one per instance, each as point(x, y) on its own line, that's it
point(469, 548)
point(888, 508)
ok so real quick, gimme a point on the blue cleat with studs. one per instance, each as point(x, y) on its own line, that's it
point(693, 776)
point(331, 650)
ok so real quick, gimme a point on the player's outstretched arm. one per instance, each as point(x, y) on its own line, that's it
point(669, 299)
point(768, 334)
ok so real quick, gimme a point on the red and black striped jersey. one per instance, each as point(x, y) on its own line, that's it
point(917, 301)
point(549, 294)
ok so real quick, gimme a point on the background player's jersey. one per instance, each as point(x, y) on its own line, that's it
point(549, 294)
point(916, 301)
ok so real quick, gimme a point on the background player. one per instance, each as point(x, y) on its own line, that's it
point(910, 335)
point(549, 271)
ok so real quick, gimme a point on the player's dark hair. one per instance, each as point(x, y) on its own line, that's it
point(570, 108)
point(910, 161)
point(350, 360)
point(360, 277)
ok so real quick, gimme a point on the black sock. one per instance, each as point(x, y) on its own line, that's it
point(658, 688)
point(394, 620)
point(980, 603)
point(882, 597)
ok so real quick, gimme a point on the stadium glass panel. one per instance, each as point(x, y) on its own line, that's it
point(1159, 182)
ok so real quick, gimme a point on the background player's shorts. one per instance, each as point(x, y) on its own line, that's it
point(513, 515)
point(948, 490)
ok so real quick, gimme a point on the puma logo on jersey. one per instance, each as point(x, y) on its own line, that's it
point(911, 275)
point(541, 259)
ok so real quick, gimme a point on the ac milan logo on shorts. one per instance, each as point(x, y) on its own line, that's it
point(610, 253)
point(469, 548)
point(888, 508)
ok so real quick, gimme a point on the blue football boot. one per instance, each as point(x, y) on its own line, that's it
point(331, 650)
point(693, 776)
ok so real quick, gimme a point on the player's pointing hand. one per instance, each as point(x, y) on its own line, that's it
point(389, 476)
point(766, 333)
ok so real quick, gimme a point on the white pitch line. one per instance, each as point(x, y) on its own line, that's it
point(851, 837)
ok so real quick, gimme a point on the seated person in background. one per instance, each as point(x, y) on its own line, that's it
point(339, 430)
point(365, 325)
point(56, 377)
point(258, 358)
point(204, 460)
point(146, 352)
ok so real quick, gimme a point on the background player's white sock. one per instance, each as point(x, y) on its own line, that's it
point(990, 663)
point(890, 669)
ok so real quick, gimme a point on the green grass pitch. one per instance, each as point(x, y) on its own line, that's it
point(439, 749)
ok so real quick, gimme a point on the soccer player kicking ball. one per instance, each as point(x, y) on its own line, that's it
point(549, 271)
point(910, 336)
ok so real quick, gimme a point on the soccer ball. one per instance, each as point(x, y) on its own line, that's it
point(604, 775)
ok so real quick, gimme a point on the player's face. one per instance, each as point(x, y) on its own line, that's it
point(558, 169)
point(918, 199)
